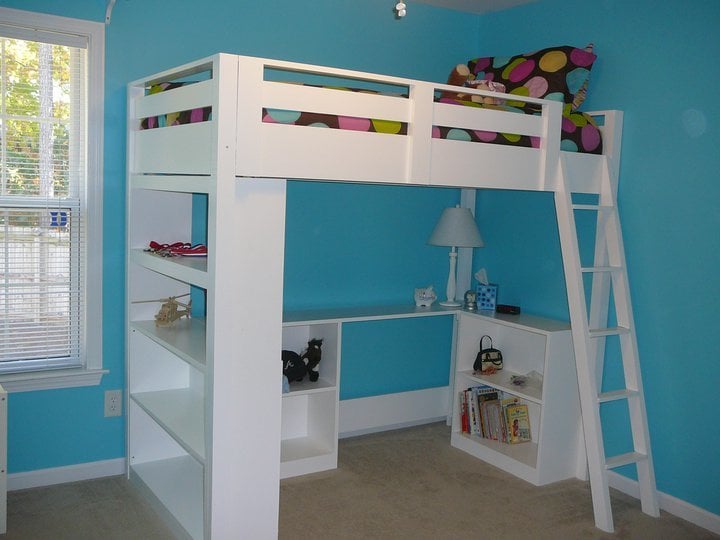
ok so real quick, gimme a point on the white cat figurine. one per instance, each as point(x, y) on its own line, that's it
point(425, 297)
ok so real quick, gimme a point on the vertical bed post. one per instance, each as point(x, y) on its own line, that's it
point(419, 133)
point(550, 175)
point(246, 228)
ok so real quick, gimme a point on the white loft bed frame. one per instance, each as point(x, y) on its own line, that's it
point(238, 85)
point(239, 161)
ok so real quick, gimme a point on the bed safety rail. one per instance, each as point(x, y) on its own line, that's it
point(238, 91)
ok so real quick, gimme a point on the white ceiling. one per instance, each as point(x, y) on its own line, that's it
point(472, 6)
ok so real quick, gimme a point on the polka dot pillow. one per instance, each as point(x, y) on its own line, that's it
point(557, 73)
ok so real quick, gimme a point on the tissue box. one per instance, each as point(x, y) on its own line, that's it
point(487, 296)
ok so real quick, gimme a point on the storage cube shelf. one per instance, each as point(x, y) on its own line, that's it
point(310, 410)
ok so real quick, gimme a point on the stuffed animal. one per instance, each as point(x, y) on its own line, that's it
point(458, 77)
point(311, 357)
point(424, 297)
point(461, 76)
point(294, 367)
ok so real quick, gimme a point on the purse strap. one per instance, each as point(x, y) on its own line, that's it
point(481, 342)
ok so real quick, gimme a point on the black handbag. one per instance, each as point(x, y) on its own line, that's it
point(488, 359)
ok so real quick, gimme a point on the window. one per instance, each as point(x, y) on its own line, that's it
point(51, 75)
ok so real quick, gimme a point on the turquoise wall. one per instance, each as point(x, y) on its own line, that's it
point(652, 64)
point(346, 244)
point(655, 62)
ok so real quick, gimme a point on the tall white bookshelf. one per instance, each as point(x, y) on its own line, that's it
point(204, 394)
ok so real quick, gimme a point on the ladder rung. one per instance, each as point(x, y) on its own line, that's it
point(614, 331)
point(617, 394)
point(624, 459)
point(593, 207)
point(598, 269)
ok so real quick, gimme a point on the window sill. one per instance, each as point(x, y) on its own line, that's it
point(48, 380)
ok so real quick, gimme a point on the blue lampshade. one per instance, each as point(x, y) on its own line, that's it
point(456, 228)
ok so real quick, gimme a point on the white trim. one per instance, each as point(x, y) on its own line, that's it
point(392, 411)
point(94, 197)
point(672, 505)
point(48, 380)
point(70, 473)
point(93, 34)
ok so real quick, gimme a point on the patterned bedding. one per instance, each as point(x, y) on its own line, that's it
point(579, 131)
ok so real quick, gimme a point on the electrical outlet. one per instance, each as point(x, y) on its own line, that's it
point(113, 402)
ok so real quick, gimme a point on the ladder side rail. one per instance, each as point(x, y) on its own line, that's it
point(631, 369)
point(614, 256)
point(587, 384)
point(612, 127)
point(601, 281)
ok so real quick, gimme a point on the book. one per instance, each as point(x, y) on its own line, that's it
point(517, 419)
point(505, 425)
point(462, 410)
point(473, 411)
point(481, 394)
point(493, 409)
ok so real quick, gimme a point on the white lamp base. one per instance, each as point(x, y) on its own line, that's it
point(451, 302)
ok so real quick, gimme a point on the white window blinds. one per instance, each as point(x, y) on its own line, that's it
point(43, 121)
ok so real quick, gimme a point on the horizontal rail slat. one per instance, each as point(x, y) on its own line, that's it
point(287, 151)
point(184, 149)
point(294, 97)
point(184, 98)
point(468, 117)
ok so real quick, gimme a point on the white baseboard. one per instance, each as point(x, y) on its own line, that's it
point(392, 411)
point(70, 473)
point(672, 505)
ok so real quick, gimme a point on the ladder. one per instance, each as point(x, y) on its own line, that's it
point(590, 332)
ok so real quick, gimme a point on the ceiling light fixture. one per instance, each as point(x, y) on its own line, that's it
point(401, 9)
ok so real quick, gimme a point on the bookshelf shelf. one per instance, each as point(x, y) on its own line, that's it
point(494, 451)
point(502, 381)
point(180, 413)
point(185, 338)
point(175, 485)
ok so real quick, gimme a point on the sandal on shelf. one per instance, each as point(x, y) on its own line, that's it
point(154, 247)
point(165, 250)
point(186, 250)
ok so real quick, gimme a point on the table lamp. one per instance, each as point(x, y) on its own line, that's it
point(455, 228)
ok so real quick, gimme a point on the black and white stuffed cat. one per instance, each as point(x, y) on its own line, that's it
point(296, 366)
point(311, 357)
point(293, 366)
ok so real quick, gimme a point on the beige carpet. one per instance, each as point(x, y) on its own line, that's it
point(405, 484)
point(411, 484)
point(106, 508)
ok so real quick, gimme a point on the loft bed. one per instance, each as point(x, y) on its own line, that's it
point(233, 128)
point(414, 154)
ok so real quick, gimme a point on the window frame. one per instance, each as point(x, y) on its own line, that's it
point(94, 33)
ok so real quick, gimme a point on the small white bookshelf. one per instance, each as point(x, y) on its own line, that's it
point(528, 344)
